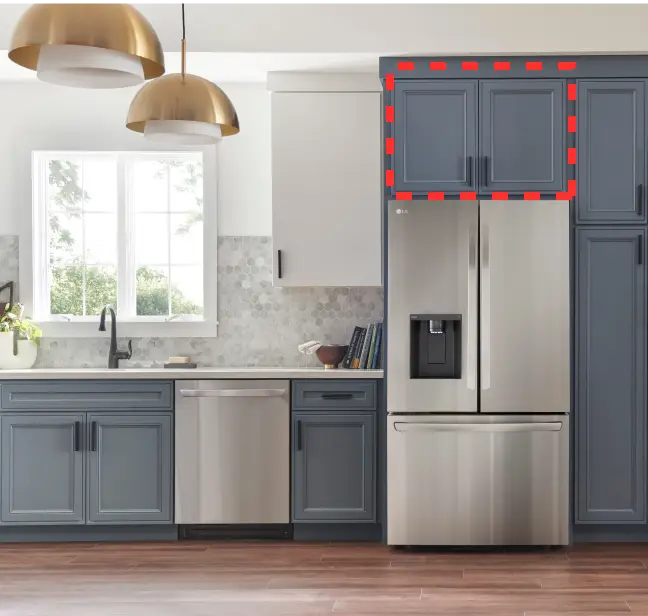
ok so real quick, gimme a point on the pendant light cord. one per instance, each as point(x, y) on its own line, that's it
point(183, 50)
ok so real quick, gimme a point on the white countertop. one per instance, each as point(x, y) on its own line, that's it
point(195, 373)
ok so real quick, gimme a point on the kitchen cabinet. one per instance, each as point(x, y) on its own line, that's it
point(326, 189)
point(129, 468)
point(611, 137)
point(610, 376)
point(334, 457)
point(41, 468)
point(522, 136)
point(435, 140)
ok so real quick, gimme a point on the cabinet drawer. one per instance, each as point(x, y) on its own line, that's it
point(318, 395)
point(85, 395)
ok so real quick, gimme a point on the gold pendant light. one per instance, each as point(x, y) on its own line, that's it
point(87, 45)
point(182, 109)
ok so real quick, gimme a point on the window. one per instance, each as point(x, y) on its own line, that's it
point(123, 228)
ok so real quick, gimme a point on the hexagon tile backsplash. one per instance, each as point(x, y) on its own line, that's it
point(259, 325)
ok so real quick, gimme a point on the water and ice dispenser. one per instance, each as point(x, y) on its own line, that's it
point(435, 346)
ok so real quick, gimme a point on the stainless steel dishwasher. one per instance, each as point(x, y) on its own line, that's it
point(232, 452)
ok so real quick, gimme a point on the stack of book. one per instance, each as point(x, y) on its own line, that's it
point(365, 348)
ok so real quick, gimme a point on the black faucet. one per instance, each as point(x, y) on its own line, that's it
point(113, 354)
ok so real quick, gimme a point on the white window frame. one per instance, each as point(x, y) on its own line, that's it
point(34, 257)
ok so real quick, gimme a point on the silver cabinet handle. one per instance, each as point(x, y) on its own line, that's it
point(485, 309)
point(553, 426)
point(232, 393)
point(471, 333)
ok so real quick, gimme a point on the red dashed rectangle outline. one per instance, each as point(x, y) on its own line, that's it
point(474, 66)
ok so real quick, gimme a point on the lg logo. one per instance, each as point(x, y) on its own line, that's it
point(399, 211)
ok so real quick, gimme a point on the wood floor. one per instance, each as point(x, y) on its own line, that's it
point(263, 579)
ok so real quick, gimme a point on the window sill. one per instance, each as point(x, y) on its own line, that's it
point(130, 329)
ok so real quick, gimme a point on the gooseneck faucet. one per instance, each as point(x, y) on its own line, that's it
point(114, 355)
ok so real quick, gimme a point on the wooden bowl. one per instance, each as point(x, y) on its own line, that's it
point(331, 354)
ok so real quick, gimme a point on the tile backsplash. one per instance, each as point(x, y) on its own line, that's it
point(259, 325)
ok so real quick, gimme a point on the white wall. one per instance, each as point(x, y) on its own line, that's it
point(394, 28)
point(39, 116)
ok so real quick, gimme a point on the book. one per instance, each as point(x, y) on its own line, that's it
point(365, 347)
point(358, 349)
point(372, 345)
point(376, 357)
point(348, 358)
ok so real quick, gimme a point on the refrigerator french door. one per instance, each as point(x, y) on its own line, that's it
point(478, 372)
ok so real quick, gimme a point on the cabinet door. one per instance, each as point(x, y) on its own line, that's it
point(435, 145)
point(333, 466)
point(522, 136)
point(129, 468)
point(42, 468)
point(326, 189)
point(611, 376)
point(611, 169)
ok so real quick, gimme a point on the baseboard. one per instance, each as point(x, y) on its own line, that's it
point(609, 533)
point(315, 531)
point(235, 531)
point(158, 532)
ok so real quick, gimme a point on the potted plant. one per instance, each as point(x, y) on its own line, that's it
point(19, 339)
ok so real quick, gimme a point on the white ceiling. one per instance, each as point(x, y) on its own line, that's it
point(242, 42)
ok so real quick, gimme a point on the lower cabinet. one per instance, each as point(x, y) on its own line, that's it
point(333, 466)
point(41, 468)
point(129, 468)
point(86, 468)
point(610, 439)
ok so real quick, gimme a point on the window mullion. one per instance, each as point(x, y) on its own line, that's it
point(125, 237)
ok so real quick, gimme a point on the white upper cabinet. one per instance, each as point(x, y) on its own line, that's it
point(326, 189)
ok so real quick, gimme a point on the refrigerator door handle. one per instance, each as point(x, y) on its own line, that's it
point(548, 426)
point(485, 309)
point(471, 333)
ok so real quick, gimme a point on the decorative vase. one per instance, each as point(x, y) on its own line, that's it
point(26, 357)
point(331, 355)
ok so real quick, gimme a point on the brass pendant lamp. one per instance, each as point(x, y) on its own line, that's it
point(182, 109)
point(87, 45)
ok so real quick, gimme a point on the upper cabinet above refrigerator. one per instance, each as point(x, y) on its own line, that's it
point(611, 152)
point(485, 136)
point(522, 132)
point(435, 136)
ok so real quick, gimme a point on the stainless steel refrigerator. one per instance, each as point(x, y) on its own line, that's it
point(478, 373)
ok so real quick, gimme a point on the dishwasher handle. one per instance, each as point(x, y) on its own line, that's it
point(547, 426)
point(233, 393)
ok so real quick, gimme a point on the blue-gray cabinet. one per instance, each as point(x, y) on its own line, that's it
point(41, 468)
point(435, 136)
point(86, 452)
point(611, 149)
point(333, 466)
point(129, 468)
point(522, 136)
point(610, 408)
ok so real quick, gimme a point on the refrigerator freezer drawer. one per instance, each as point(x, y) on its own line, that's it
point(484, 480)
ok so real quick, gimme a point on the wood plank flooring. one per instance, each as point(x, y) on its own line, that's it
point(295, 579)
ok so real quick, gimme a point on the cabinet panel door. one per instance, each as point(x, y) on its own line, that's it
point(611, 376)
point(522, 136)
point(611, 170)
point(435, 141)
point(129, 468)
point(326, 189)
point(42, 468)
point(334, 466)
